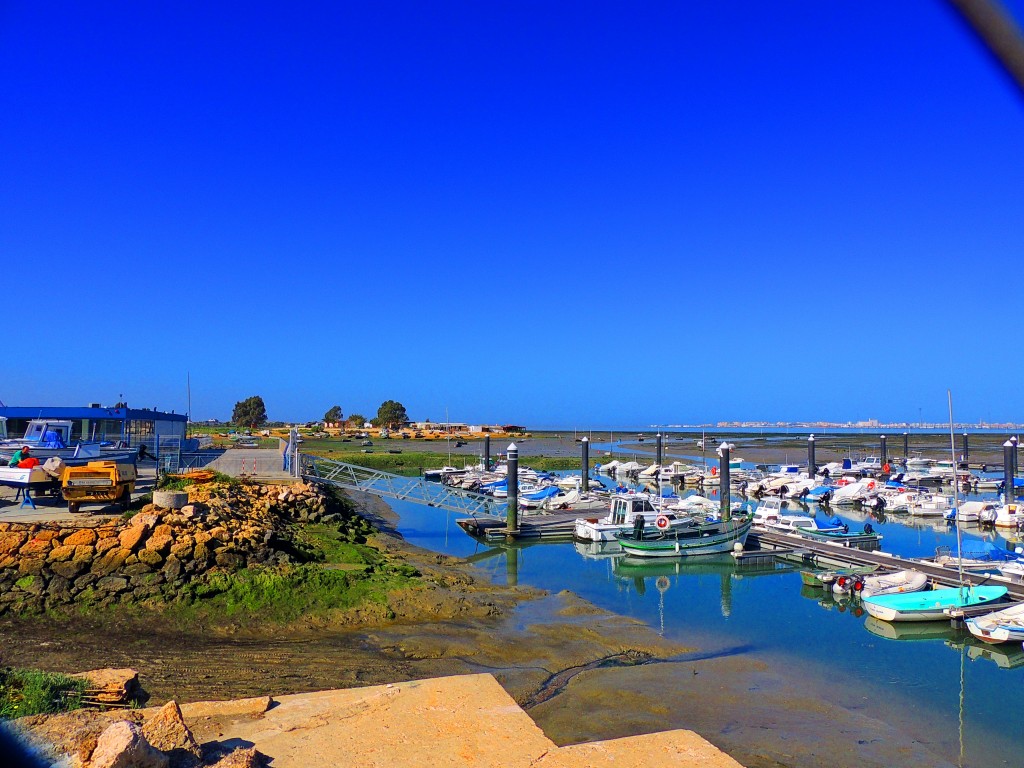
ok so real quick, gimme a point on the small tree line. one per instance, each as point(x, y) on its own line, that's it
point(251, 413)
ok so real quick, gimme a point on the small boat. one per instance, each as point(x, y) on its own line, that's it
point(621, 518)
point(979, 561)
point(825, 579)
point(897, 582)
point(930, 505)
point(1005, 626)
point(690, 538)
point(931, 605)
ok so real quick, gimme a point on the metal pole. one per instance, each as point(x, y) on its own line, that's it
point(487, 453)
point(967, 450)
point(723, 473)
point(812, 467)
point(885, 453)
point(512, 481)
point(585, 465)
point(1008, 472)
point(658, 438)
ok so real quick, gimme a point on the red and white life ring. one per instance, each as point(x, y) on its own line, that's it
point(661, 522)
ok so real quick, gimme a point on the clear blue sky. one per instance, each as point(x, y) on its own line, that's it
point(683, 211)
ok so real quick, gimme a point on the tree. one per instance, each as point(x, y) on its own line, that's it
point(391, 414)
point(334, 415)
point(356, 421)
point(250, 412)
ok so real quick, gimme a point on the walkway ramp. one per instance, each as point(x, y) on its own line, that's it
point(260, 463)
point(351, 477)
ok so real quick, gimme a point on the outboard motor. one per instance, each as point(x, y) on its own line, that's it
point(638, 527)
point(868, 528)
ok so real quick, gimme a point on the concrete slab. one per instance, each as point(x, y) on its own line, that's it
point(263, 463)
point(468, 720)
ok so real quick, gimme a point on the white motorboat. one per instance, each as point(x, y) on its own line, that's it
point(972, 511)
point(849, 492)
point(622, 518)
point(899, 500)
point(930, 505)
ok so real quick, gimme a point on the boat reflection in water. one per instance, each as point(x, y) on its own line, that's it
point(830, 602)
point(909, 630)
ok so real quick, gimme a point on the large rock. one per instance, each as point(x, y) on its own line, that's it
point(241, 758)
point(35, 547)
point(11, 542)
point(158, 543)
point(112, 584)
point(122, 745)
point(167, 731)
point(69, 569)
point(131, 536)
point(111, 686)
point(80, 537)
point(62, 553)
point(109, 561)
point(150, 557)
point(105, 543)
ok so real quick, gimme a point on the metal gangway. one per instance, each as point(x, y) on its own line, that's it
point(351, 477)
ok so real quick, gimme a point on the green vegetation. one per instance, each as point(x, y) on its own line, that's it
point(31, 692)
point(169, 483)
point(334, 414)
point(414, 462)
point(344, 573)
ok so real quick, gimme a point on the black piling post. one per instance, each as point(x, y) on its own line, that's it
point(659, 451)
point(885, 452)
point(487, 453)
point(1015, 442)
point(812, 467)
point(1008, 472)
point(512, 481)
point(585, 465)
point(967, 450)
point(723, 474)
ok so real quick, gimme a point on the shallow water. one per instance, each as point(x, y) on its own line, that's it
point(909, 676)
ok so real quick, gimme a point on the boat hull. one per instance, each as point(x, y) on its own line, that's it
point(720, 538)
point(929, 606)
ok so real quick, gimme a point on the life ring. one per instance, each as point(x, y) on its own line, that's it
point(886, 467)
point(661, 522)
point(871, 485)
point(662, 583)
point(714, 471)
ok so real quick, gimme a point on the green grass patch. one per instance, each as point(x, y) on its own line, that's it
point(288, 593)
point(329, 544)
point(32, 692)
point(414, 462)
point(168, 483)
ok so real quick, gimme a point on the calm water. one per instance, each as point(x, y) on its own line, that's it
point(908, 675)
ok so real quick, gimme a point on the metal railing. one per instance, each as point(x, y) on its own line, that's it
point(414, 489)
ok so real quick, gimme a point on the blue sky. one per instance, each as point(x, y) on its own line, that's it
point(734, 210)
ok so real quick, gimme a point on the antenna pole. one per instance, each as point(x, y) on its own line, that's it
point(956, 500)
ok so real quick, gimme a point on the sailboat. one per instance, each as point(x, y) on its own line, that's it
point(933, 605)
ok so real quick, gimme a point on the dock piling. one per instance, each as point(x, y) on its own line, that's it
point(723, 474)
point(967, 450)
point(1015, 440)
point(885, 452)
point(658, 439)
point(487, 453)
point(585, 465)
point(812, 468)
point(512, 481)
point(1008, 449)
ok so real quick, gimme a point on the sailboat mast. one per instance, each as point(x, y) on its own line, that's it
point(956, 499)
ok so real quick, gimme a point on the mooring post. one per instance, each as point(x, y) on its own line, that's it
point(812, 468)
point(1015, 442)
point(906, 446)
point(967, 450)
point(487, 453)
point(659, 450)
point(512, 481)
point(885, 453)
point(1008, 472)
point(585, 465)
point(723, 474)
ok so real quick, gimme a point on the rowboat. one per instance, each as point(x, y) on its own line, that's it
point(932, 605)
point(897, 582)
point(1005, 626)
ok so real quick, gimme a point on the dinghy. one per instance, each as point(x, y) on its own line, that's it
point(931, 605)
point(1005, 626)
point(883, 584)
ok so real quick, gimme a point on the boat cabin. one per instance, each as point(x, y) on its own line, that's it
point(626, 507)
point(48, 433)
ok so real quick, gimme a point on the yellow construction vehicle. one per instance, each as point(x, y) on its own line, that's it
point(98, 481)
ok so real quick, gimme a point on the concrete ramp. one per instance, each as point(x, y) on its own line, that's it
point(262, 463)
point(468, 720)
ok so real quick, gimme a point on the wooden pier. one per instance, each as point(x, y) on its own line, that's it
point(550, 526)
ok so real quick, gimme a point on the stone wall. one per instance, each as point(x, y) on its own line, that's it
point(154, 553)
